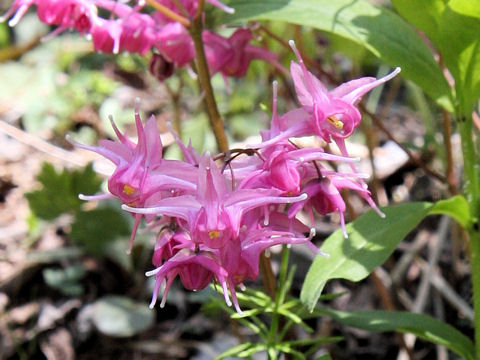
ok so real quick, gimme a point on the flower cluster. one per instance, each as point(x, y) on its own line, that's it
point(127, 28)
point(214, 222)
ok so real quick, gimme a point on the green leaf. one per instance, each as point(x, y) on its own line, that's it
point(65, 280)
point(119, 316)
point(459, 44)
point(423, 326)
point(466, 7)
point(96, 228)
point(235, 350)
point(371, 241)
point(379, 30)
point(425, 17)
point(457, 207)
point(59, 193)
point(453, 26)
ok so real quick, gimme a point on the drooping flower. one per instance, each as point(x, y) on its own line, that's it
point(330, 114)
point(324, 195)
point(214, 214)
point(141, 174)
point(65, 14)
point(232, 56)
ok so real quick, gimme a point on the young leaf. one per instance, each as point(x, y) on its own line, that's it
point(379, 30)
point(423, 326)
point(60, 190)
point(457, 207)
point(371, 240)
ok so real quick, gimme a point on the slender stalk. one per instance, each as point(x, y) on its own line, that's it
point(472, 191)
point(447, 134)
point(269, 282)
point(203, 73)
point(475, 263)
point(169, 13)
point(216, 123)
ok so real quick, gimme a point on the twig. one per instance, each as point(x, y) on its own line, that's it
point(14, 52)
point(442, 286)
point(42, 145)
point(169, 13)
point(433, 256)
point(405, 261)
point(410, 155)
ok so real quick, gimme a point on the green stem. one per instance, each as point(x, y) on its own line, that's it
point(472, 192)
point(279, 299)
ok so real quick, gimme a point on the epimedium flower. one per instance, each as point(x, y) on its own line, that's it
point(232, 56)
point(214, 214)
point(324, 195)
point(141, 174)
point(66, 14)
point(190, 6)
point(196, 265)
point(330, 114)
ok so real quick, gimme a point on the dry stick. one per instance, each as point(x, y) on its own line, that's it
point(424, 287)
point(14, 52)
point(42, 145)
point(387, 303)
point(450, 295)
point(439, 311)
point(410, 155)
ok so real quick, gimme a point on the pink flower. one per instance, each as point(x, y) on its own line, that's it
point(232, 56)
point(131, 31)
point(330, 114)
point(77, 14)
point(175, 43)
point(196, 269)
point(191, 7)
point(214, 214)
point(324, 196)
point(141, 174)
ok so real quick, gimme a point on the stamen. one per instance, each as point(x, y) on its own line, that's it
point(213, 234)
point(335, 122)
point(128, 190)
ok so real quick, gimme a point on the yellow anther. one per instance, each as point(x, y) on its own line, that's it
point(128, 190)
point(335, 122)
point(213, 234)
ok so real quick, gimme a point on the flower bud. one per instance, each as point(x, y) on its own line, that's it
point(160, 67)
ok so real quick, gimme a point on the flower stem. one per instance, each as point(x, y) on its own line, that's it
point(203, 73)
point(169, 13)
point(472, 192)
